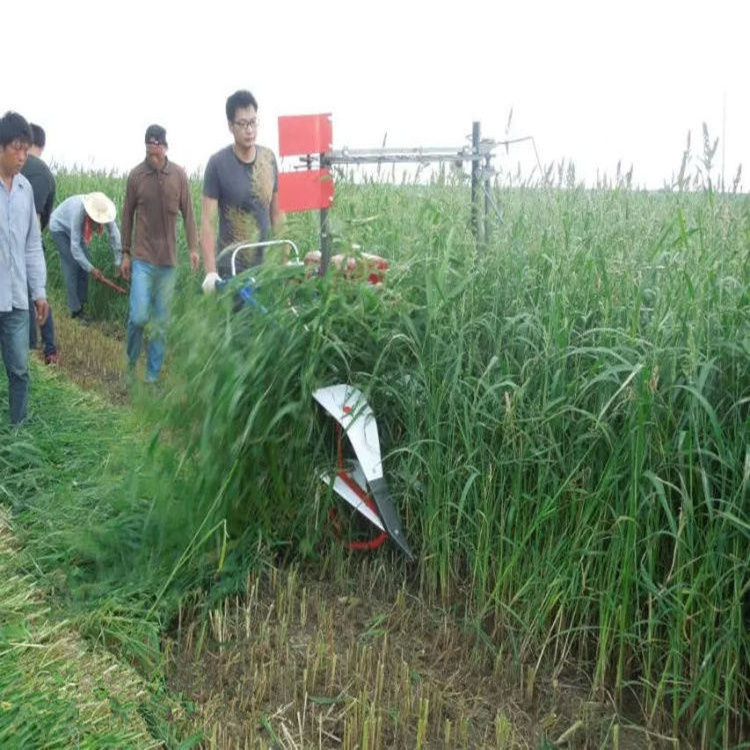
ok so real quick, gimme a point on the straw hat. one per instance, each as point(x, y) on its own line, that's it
point(99, 208)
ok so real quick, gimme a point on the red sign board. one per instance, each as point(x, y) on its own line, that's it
point(305, 134)
point(305, 190)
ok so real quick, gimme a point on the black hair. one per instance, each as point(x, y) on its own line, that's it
point(158, 133)
point(240, 100)
point(38, 136)
point(13, 127)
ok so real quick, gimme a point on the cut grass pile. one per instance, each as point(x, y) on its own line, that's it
point(58, 689)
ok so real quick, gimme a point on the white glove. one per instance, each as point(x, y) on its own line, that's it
point(209, 283)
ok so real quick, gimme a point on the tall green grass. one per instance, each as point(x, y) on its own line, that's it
point(564, 416)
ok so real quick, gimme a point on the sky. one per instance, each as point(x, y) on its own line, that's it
point(594, 83)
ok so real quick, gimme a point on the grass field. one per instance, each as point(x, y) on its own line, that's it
point(564, 414)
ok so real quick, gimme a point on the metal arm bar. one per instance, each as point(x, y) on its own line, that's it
point(397, 155)
point(264, 245)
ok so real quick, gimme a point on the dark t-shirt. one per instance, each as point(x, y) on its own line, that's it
point(244, 192)
point(43, 184)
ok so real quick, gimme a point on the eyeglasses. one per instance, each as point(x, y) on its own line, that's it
point(247, 124)
point(155, 142)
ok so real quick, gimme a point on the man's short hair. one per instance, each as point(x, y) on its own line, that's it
point(14, 127)
point(157, 134)
point(240, 100)
point(38, 136)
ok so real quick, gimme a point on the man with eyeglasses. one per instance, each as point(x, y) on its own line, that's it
point(22, 268)
point(157, 189)
point(241, 181)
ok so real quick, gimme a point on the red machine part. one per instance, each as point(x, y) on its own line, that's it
point(305, 134)
point(305, 191)
point(301, 135)
point(353, 544)
point(310, 189)
point(362, 265)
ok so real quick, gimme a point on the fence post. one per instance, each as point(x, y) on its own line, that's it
point(475, 135)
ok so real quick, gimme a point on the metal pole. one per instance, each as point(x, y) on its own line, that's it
point(475, 137)
point(325, 238)
point(486, 183)
point(325, 243)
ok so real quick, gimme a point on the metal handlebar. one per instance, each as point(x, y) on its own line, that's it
point(266, 244)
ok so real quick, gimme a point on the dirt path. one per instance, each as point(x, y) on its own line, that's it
point(93, 356)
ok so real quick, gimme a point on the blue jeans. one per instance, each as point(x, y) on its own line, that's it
point(47, 329)
point(14, 342)
point(151, 289)
point(76, 279)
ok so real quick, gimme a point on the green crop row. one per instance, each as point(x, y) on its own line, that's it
point(564, 413)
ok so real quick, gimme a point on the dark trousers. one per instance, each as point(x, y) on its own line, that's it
point(47, 329)
point(76, 279)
